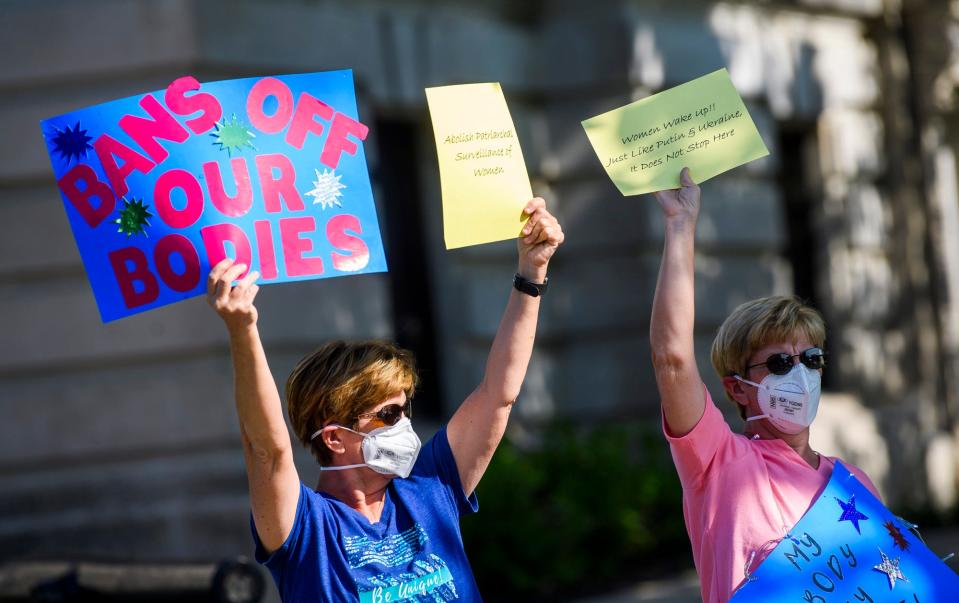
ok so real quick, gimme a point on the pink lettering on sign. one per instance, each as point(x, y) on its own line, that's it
point(167, 247)
point(337, 142)
point(306, 109)
point(108, 150)
point(264, 243)
point(181, 104)
point(216, 237)
point(192, 193)
point(80, 185)
point(262, 90)
point(130, 267)
point(240, 203)
point(278, 186)
point(294, 247)
point(336, 234)
point(145, 132)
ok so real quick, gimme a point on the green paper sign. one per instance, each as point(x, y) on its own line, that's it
point(702, 125)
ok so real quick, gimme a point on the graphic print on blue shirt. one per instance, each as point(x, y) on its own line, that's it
point(429, 578)
point(391, 551)
point(429, 581)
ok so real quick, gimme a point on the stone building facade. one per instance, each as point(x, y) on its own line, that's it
point(120, 439)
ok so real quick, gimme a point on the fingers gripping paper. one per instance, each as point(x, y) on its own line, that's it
point(702, 124)
point(483, 177)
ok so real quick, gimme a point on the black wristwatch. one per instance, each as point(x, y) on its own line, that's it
point(528, 287)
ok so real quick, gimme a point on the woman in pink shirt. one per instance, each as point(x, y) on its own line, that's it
point(741, 493)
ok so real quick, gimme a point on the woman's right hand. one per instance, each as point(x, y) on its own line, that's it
point(234, 304)
point(680, 203)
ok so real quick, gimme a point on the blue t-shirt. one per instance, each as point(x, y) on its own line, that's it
point(414, 553)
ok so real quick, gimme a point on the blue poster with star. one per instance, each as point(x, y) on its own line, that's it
point(269, 171)
point(850, 548)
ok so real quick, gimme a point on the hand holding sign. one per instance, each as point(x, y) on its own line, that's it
point(702, 124)
point(268, 171)
point(540, 238)
point(234, 304)
point(682, 202)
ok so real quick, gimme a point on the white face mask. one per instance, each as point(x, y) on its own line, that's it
point(390, 450)
point(789, 401)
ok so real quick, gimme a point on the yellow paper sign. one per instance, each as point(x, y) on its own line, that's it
point(482, 174)
point(702, 124)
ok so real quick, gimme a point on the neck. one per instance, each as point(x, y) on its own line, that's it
point(799, 442)
point(362, 489)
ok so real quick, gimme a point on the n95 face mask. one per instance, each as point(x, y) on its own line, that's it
point(790, 402)
point(390, 450)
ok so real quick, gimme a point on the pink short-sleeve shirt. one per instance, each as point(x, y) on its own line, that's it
point(739, 495)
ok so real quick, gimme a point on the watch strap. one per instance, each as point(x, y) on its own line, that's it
point(524, 285)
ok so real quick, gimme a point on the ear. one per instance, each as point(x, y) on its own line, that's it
point(736, 390)
point(331, 439)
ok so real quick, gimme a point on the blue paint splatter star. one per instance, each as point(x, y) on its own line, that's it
point(71, 143)
point(849, 512)
point(133, 218)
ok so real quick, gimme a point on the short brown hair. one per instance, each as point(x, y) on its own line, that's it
point(758, 323)
point(341, 380)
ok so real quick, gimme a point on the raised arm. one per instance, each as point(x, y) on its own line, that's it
point(674, 314)
point(274, 484)
point(477, 426)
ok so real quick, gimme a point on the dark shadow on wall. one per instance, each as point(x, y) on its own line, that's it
point(404, 238)
point(800, 181)
point(805, 244)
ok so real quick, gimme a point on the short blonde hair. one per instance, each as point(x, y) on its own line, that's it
point(758, 323)
point(341, 380)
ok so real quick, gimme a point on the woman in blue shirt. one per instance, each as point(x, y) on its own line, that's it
point(363, 535)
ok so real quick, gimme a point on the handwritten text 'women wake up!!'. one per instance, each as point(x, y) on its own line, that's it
point(677, 129)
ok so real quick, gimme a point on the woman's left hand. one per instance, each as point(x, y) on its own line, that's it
point(540, 237)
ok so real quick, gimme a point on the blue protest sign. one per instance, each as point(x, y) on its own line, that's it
point(848, 547)
point(270, 171)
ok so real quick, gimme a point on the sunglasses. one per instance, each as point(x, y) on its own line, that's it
point(390, 414)
point(782, 363)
